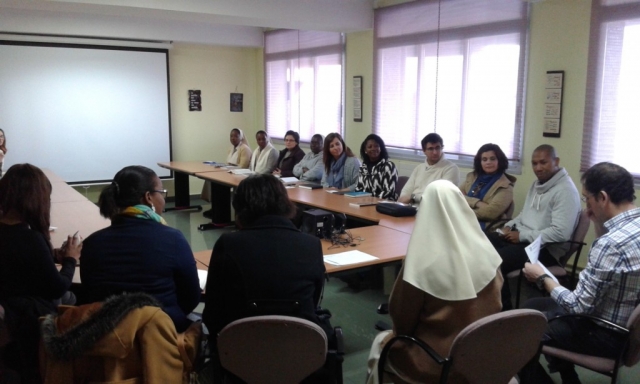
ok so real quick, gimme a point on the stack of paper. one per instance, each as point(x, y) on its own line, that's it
point(349, 257)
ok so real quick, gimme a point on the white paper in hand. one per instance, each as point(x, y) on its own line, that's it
point(533, 251)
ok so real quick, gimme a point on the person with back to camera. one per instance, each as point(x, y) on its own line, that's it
point(239, 153)
point(340, 165)
point(437, 167)
point(310, 167)
point(290, 156)
point(139, 252)
point(267, 260)
point(426, 301)
point(377, 174)
point(3, 149)
point(489, 189)
point(30, 284)
point(265, 156)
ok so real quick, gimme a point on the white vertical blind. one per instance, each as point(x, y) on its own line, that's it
point(303, 76)
point(465, 56)
point(611, 113)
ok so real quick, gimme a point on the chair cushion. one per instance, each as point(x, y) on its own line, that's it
point(599, 364)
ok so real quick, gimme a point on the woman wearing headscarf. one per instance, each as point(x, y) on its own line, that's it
point(265, 156)
point(450, 278)
point(239, 153)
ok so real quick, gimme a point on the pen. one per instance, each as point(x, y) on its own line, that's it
point(513, 227)
point(76, 234)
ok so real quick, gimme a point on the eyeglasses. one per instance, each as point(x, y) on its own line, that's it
point(434, 149)
point(585, 198)
point(162, 191)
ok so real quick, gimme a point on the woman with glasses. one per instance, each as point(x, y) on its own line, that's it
point(489, 189)
point(290, 155)
point(139, 252)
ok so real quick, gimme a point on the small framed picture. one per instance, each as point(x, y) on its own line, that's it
point(195, 102)
point(357, 98)
point(236, 102)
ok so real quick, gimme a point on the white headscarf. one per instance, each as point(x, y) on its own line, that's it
point(449, 256)
point(260, 157)
point(232, 158)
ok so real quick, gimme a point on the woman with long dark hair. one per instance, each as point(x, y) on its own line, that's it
point(139, 252)
point(340, 165)
point(489, 189)
point(377, 174)
point(30, 283)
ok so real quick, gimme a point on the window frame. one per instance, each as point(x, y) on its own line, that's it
point(463, 35)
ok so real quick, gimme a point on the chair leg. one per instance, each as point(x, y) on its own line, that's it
point(518, 290)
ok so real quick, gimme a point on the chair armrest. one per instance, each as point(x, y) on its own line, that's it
point(597, 320)
point(424, 346)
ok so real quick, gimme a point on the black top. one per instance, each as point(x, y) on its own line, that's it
point(27, 267)
point(138, 255)
point(286, 164)
point(271, 260)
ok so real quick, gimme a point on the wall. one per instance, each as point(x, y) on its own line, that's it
point(559, 36)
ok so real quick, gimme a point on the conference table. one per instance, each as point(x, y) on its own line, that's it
point(181, 172)
point(385, 244)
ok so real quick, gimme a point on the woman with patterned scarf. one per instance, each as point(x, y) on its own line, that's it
point(139, 252)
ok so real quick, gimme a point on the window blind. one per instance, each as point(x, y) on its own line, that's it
point(303, 82)
point(455, 67)
point(611, 111)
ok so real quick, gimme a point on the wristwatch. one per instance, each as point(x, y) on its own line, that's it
point(540, 281)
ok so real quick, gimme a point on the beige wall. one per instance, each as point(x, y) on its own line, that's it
point(558, 41)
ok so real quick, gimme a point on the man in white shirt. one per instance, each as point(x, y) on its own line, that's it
point(436, 168)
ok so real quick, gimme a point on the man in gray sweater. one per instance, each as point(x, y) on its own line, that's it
point(550, 211)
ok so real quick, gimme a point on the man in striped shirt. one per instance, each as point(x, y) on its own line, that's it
point(609, 286)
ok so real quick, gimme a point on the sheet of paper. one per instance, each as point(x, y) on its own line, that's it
point(202, 275)
point(533, 251)
point(349, 257)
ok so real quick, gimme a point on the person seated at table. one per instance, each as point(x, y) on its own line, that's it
point(310, 167)
point(340, 165)
point(489, 189)
point(437, 167)
point(290, 156)
point(267, 261)
point(30, 284)
point(377, 174)
point(239, 153)
point(450, 278)
point(139, 252)
point(265, 156)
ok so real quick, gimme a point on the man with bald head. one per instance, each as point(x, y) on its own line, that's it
point(550, 210)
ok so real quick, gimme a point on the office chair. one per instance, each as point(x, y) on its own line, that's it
point(273, 349)
point(575, 247)
point(629, 354)
point(402, 180)
point(490, 350)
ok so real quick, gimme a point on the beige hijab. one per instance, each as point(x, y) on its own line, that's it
point(449, 256)
point(232, 158)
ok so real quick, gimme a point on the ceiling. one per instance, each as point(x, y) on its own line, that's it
point(212, 22)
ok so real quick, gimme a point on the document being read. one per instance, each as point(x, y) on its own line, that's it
point(349, 257)
point(533, 251)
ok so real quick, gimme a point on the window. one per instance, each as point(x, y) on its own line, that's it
point(611, 130)
point(303, 82)
point(454, 67)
